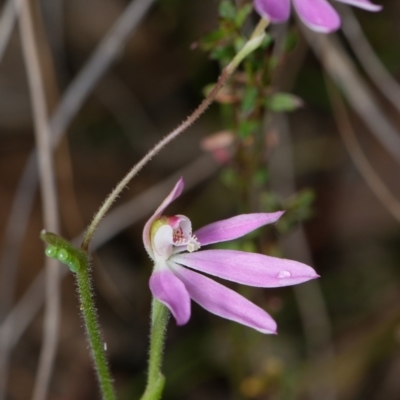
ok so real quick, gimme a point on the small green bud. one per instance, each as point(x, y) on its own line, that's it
point(62, 255)
point(51, 251)
point(73, 264)
point(62, 250)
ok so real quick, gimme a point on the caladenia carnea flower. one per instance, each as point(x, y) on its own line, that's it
point(318, 15)
point(178, 259)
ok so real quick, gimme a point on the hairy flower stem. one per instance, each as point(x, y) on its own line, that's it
point(92, 329)
point(155, 378)
point(252, 44)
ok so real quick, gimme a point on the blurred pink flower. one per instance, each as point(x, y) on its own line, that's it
point(173, 248)
point(220, 145)
point(318, 15)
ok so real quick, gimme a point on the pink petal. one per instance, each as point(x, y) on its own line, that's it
point(274, 10)
point(175, 193)
point(224, 302)
point(247, 268)
point(365, 4)
point(233, 228)
point(318, 15)
point(170, 291)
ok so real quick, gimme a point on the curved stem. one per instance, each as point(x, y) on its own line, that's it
point(254, 42)
point(160, 145)
point(155, 379)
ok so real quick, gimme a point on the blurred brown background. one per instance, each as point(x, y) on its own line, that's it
point(338, 339)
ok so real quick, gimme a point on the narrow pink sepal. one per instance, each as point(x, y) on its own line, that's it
point(364, 4)
point(174, 194)
point(318, 15)
point(235, 227)
point(274, 10)
point(170, 291)
point(250, 269)
point(224, 302)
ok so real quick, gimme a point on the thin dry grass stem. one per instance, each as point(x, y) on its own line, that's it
point(7, 22)
point(16, 323)
point(100, 61)
point(14, 232)
point(15, 229)
point(55, 22)
point(77, 92)
point(49, 197)
point(342, 70)
point(382, 79)
point(372, 179)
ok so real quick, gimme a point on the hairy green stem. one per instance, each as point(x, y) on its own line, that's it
point(155, 379)
point(92, 329)
point(252, 44)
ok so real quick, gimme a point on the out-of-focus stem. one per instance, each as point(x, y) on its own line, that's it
point(49, 197)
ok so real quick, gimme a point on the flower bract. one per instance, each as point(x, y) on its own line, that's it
point(318, 15)
point(180, 264)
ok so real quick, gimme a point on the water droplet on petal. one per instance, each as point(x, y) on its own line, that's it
point(284, 274)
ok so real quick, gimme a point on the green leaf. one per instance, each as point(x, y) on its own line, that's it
point(248, 127)
point(223, 54)
point(267, 41)
point(211, 40)
point(261, 176)
point(242, 15)
point(229, 177)
point(283, 102)
point(227, 10)
point(249, 99)
point(239, 42)
point(290, 41)
point(270, 202)
point(299, 209)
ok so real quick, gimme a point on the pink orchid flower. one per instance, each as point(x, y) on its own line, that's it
point(318, 15)
point(173, 248)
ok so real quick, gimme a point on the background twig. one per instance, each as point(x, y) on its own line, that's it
point(342, 70)
point(49, 198)
point(356, 153)
point(368, 58)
